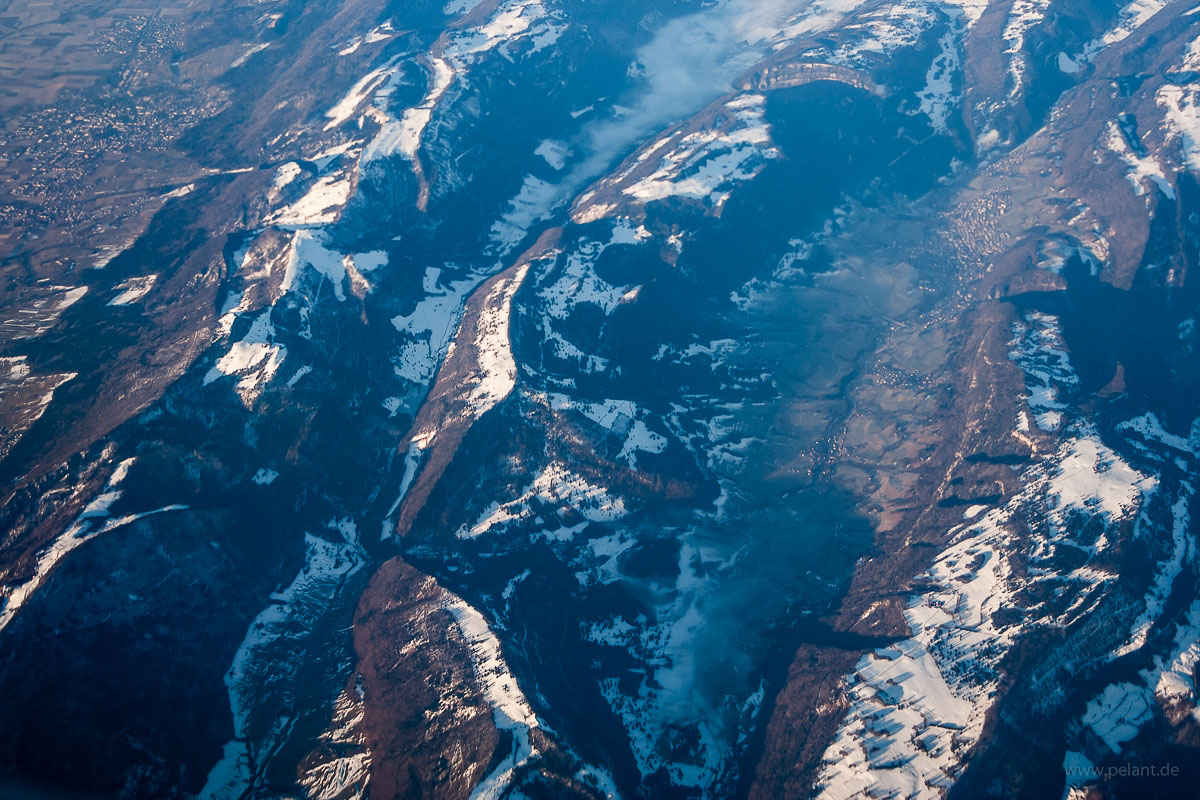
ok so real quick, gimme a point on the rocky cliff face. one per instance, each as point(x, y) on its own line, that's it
point(532, 398)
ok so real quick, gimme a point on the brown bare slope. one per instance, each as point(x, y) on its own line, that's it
point(428, 728)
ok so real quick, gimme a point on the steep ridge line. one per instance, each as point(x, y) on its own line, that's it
point(467, 384)
point(790, 74)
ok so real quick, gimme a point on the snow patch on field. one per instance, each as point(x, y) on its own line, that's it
point(699, 164)
point(621, 417)
point(403, 136)
point(1038, 349)
point(1181, 109)
point(1132, 17)
point(298, 375)
point(43, 310)
point(1148, 427)
point(1139, 168)
point(24, 397)
point(69, 298)
point(180, 191)
point(1118, 713)
point(938, 99)
point(535, 201)
point(554, 153)
point(344, 109)
point(104, 256)
point(264, 476)
point(1089, 475)
point(428, 329)
point(310, 249)
point(321, 205)
point(250, 51)
point(894, 26)
point(133, 290)
point(380, 33)
point(556, 487)
point(370, 261)
point(585, 362)
point(578, 283)
point(1069, 65)
point(969, 10)
point(254, 360)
